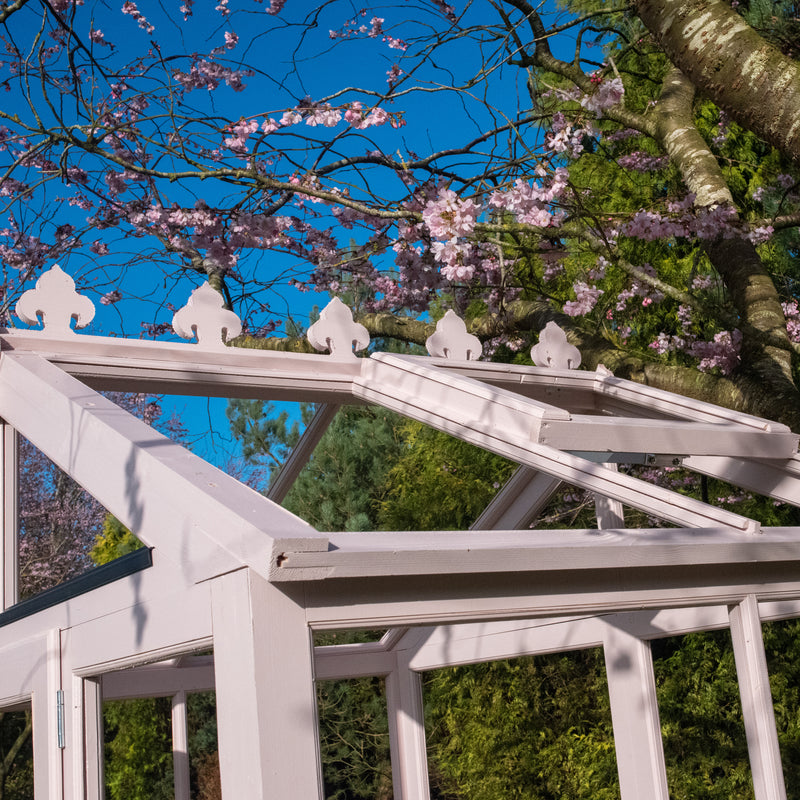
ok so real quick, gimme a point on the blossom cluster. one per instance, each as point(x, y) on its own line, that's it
point(683, 221)
point(373, 29)
point(607, 94)
point(639, 161)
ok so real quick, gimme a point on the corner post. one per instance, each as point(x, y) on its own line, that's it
point(266, 698)
point(407, 732)
point(757, 708)
point(634, 713)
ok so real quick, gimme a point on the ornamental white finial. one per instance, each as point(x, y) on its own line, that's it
point(336, 331)
point(205, 317)
point(57, 302)
point(554, 350)
point(452, 341)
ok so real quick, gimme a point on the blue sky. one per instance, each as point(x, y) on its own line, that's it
point(436, 121)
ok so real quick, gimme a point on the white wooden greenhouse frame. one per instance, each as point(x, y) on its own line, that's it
point(235, 573)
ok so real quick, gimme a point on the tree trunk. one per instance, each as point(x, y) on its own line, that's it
point(725, 58)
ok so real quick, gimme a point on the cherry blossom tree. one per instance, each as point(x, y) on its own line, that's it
point(610, 166)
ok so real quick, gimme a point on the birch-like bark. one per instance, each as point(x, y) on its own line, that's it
point(724, 57)
point(766, 349)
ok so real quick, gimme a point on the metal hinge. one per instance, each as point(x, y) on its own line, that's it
point(60, 717)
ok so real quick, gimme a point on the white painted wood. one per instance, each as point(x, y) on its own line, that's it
point(757, 709)
point(163, 679)
point(336, 331)
point(669, 437)
point(419, 600)
point(779, 479)
point(165, 367)
point(407, 733)
point(54, 753)
point(504, 424)
point(9, 546)
point(180, 746)
point(342, 661)
point(634, 713)
point(55, 300)
point(554, 351)
point(458, 645)
point(610, 513)
point(519, 502)
point(266, 703)
point(203, 520)
point(451, 340)
point(206, 317)
point(88, 765)
point(363, 554)
point(598, 390)
point(114, 626)
point(282, 482)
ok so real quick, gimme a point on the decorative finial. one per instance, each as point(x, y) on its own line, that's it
point(336, 331)
point(554, 350)
point(452, 341)
point(204, 316)
point(57, 302)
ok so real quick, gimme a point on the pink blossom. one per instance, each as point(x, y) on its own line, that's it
point(290, 118)
point(393, 74)
point(116, 183)
point(207, 74)
point(240, 132)
point(792, 314)
point(324, 115)
point(761, 234)
point(640, 161)
point(607, 94)
point(702, 282)
point(130, 8)
point(450, 216)
point(586, 298)
point(231, 40)
point(276, 6)
point(722, 353)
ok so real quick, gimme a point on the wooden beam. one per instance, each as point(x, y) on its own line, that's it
point(505, 424)
point(609, 513)
point(287, 474)
point(418, 600)
point(180, 746)
point(778, 479)
point(203, 520)
point(757, 709)
point(407, 733)
point(266, 703)
point(519, 502)
point(167, 368)
point(96, 577)
point(440, 553)
point(634, 713)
